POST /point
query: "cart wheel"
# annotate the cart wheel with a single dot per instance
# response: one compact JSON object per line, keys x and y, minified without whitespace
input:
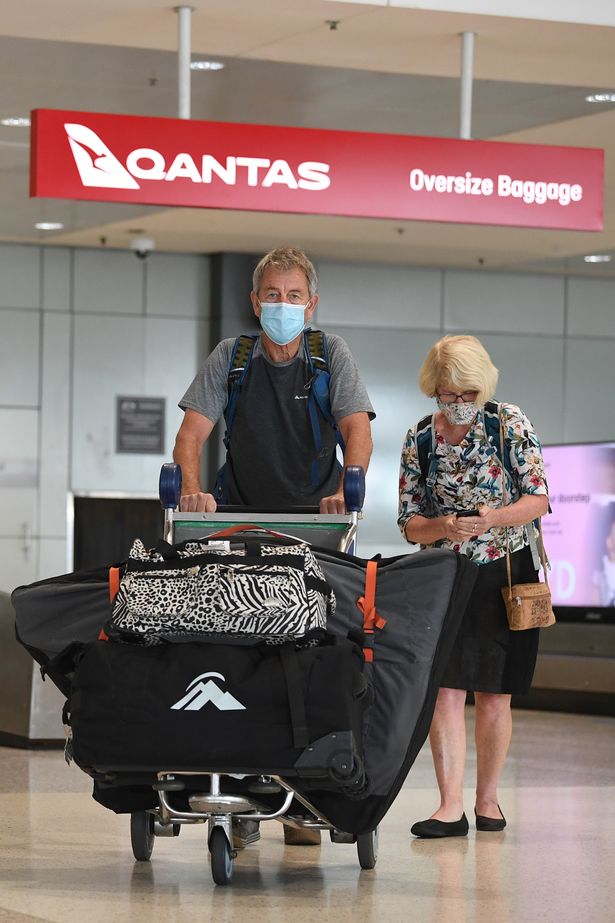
{"x":367,"y":849}
{"x":142,"y":835}
{"x":221,"y":858}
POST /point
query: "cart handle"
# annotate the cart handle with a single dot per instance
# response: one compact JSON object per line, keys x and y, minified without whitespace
{"x":170,"y":487}
{"x":354,"y":488}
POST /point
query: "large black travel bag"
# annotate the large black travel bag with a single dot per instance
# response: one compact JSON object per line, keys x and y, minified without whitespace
{"x":409,"y":609}
{"x":265,"y":709}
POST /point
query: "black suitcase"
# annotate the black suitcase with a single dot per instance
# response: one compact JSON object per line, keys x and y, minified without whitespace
{"x":282,"y":710}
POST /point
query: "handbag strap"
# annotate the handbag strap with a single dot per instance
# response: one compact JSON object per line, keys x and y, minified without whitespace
{"x":541,"y":545}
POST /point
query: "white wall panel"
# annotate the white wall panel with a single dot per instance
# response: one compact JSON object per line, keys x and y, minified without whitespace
{"x":591,"y":307}
{"x":16,"y":566}
{"x":378,"y":296}
{"x":20,"y":274}
{"x":52,"y":558}
{"x":531,"y":376}
{"x":390,"y":372}
{"x":108,"y":361}
{"x":55,"y":423}
{"x":177,"y":285}
{"x":18,"y":471}
{"x":19,"y":359}
{"x":503,"y":302}
{"x":174,"y":350}
{"x":108,"y":281}
{"x":590,"y":386}
{"x":154,"y":357}
{"x":56,"y":278}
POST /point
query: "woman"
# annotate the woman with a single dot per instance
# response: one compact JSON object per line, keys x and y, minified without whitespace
{"x":465,"y":476}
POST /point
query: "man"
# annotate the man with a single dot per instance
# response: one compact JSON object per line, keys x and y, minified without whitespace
{"x":272,"y":457}
{"x":281,"y":451}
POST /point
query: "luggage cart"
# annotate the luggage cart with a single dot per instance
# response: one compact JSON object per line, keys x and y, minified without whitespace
{"x":212,"y":805}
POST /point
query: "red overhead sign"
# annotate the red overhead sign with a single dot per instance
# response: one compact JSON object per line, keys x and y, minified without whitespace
{"x":179,"y":162}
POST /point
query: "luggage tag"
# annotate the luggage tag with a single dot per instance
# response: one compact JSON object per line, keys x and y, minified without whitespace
{"x":219,"y":546}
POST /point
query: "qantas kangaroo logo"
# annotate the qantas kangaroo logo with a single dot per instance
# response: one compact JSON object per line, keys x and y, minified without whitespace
{"x":96,"y":164}
{"x":199,"y":695}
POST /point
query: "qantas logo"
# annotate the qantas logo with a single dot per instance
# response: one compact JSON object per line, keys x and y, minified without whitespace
{"x":98,"y":166}
{"x":200,"y":694}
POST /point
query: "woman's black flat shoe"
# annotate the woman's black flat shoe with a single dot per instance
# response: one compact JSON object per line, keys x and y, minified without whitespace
{"x":491,"y":824}
{"x":431,"y":829}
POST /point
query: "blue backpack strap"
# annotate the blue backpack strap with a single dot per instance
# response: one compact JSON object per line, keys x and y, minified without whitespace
{"x":239,"y":364}
{"x":317,"y":359}
{"x":428,"y":462}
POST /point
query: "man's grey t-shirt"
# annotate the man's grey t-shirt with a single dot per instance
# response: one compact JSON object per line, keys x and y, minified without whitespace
{"x":271,"y":451}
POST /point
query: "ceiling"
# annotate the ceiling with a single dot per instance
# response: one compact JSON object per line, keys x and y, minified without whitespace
{"x":381,"y":69}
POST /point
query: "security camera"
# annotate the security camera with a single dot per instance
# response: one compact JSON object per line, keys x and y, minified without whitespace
{"x":142,"y":246}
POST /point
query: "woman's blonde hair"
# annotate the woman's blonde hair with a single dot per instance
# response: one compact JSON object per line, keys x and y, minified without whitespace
{"x":461,"y":362}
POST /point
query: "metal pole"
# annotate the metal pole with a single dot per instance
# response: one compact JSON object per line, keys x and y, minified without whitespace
{"x":183,"y":59}
{"x":467,"y":60}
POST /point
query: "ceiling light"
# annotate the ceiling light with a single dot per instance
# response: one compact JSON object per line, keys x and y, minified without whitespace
{"x":600,"y":98}
{"x":49,"y":226}
{"x":206,"y":65}
{"x":598,"y":258}
{"x":15,"y":122}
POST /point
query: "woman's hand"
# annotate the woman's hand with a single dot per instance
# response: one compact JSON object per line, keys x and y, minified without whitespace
{"x":455,"y":529}
{"x":472,"y":526}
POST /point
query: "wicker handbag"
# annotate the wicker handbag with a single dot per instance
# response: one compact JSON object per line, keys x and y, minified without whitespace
{"x":528,"y":605}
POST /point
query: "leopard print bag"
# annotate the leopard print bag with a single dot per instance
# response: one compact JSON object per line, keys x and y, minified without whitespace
{"x":259,"y":590}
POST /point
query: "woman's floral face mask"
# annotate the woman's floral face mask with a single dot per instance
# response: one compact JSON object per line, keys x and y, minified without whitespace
{"x":459,"y":414}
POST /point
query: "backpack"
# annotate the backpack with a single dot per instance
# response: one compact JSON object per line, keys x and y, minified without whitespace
{"x":425,"y":444}
{"x":317,"y":358}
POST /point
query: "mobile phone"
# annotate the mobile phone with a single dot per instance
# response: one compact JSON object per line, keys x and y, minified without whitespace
{"x":467,"y":513}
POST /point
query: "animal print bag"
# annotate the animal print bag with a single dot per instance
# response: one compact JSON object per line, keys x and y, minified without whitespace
{"x":256,"y":589}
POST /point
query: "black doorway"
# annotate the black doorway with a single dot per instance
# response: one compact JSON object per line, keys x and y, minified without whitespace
{"x":105,"y":528}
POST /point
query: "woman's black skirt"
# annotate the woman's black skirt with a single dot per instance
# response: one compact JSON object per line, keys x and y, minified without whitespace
{"x":487,"y":656}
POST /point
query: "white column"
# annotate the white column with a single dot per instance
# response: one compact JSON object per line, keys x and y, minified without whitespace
{"x":465,"y":108}
{"x":184,"y":14}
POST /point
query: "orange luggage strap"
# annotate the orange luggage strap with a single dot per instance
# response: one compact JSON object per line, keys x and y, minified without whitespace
{"x":114,"y":585}
{"x":372,"y":620}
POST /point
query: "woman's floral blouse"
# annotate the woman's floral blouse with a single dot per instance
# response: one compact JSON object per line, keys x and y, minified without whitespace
{"x":469,"y":475}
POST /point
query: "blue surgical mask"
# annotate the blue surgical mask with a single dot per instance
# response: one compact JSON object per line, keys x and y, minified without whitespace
{"x":282,"y":322}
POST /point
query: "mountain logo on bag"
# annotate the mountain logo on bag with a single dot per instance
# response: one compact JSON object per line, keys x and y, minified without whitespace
{"x":198,"y":696}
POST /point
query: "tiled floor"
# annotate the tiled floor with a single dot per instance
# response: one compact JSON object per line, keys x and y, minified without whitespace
{"x":63,"y":858}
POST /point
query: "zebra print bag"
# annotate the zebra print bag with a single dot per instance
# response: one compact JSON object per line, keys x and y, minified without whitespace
{"x":256,"y":590}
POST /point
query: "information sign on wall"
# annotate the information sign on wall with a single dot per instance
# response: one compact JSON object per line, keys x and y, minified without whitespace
{"x":140,"y":425}
{"x":180,"y":162}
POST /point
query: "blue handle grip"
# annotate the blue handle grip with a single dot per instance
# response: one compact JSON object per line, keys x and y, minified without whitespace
{"x":354,"y":488}
{"x":170,"y":486}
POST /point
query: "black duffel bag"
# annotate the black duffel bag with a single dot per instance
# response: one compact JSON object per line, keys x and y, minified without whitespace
{"x":284,"y":710}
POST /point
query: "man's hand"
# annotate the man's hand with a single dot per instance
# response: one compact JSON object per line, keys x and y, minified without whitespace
{"x":333,"y":504}
{"x":197,"y":503}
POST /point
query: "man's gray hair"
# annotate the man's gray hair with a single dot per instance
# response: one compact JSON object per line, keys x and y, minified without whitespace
{"x":285,"y":259}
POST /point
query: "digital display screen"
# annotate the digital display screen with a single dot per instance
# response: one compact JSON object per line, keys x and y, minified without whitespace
{"x":579,"y":534}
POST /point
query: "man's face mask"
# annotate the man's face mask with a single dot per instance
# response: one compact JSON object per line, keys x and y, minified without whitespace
{"x":282,"y":322}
